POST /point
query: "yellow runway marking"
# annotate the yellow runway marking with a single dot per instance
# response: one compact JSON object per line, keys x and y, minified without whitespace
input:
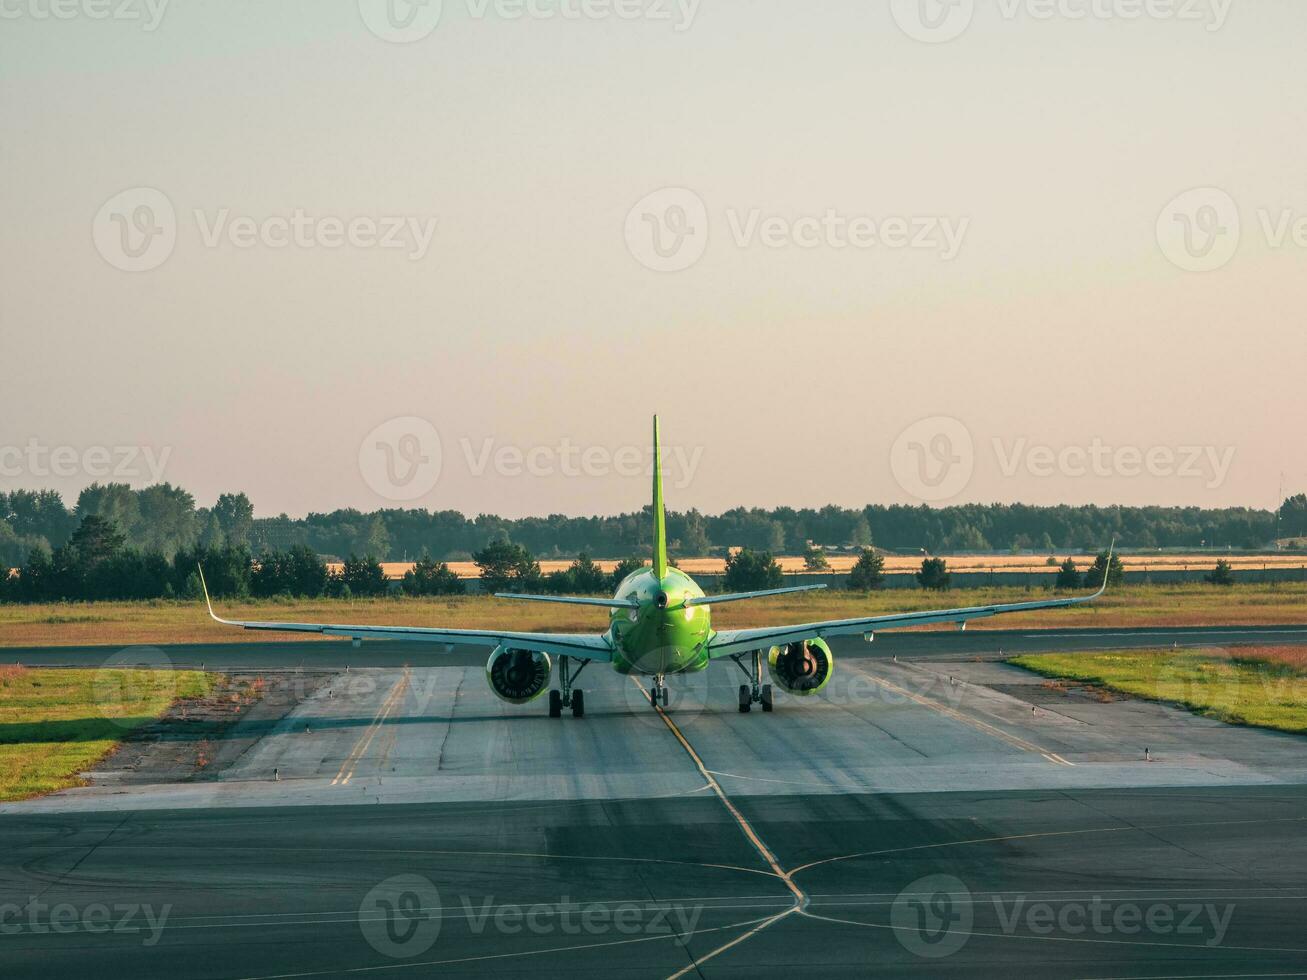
{"x":800,"y":899}
{"x":365,"y":740}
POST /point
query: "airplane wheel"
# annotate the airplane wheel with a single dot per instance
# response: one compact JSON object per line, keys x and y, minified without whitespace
{"x":654,"y":698}
{"x":578,"y":704}
{"x":766,"y":697}
{"x":745,"y":698}
{"x":665,"y":694}
{"x":555,"y":704}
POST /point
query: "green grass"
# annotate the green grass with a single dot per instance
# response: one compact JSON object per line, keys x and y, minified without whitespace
{"x":1265,"y":688}
{"x":55,"y":724}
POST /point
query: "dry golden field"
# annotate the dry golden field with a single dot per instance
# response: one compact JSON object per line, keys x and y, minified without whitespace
{"x":123,"y":623}
{"x":905,"y":563}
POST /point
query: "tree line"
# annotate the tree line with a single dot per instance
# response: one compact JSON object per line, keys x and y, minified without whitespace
{"x":97,"y":563}
{"x":165,"y":519}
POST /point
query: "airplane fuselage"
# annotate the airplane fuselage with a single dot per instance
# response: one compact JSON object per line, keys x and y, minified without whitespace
{"x":662,"y":635}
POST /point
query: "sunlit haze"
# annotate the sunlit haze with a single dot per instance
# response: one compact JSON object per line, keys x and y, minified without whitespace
{"x":1034,"y":304}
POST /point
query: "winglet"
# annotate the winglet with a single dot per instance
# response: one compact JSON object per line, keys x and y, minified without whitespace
{"x":207,"y":601}
{"x":1107,"y":570}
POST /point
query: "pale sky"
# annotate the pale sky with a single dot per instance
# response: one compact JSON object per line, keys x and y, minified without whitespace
{"x":1058,"y":346}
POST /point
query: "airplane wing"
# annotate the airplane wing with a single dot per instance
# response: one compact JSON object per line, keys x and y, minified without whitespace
{"x":573,"y":600}
{"x":711,"y":600}
{"x":731,"y":642}
{"x":585,"y":646}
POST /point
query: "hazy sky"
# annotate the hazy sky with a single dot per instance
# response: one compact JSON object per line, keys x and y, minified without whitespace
{"x":848,"y":256}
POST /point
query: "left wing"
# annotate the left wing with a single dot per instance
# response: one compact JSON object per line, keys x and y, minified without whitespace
{"x":730,"y":642}
{"x":585,"y":646}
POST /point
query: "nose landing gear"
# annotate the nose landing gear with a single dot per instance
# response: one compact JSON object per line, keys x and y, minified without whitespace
{"x":658,"y":693}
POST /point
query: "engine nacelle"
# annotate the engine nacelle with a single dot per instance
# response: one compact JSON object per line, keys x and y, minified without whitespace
{"x":518,"y":676}
{"x":801,"y":668}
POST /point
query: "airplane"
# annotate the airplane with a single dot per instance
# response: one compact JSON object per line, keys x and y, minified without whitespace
{"x":659,"y":625}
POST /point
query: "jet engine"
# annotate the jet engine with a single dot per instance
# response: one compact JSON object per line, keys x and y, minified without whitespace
{"x":801,"y":668}
{"x":518,"y":676}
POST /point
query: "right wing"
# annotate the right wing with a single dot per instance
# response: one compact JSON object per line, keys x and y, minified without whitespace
{"x":731,"y":642}
{"x":710,"y":600}
{"x":584,"y":646}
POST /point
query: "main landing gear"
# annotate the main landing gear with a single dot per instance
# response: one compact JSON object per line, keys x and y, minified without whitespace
{"x":755,"y":692}
{"x":567,"y":697}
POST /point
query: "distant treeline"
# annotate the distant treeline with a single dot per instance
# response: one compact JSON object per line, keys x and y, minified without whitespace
{"x":96,"y":563}
{"x":164,"y":519}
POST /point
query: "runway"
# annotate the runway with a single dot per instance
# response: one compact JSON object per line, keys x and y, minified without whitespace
{"x":930,"y":817}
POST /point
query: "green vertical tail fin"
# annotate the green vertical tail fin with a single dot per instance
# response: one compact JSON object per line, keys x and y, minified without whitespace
{"x":660,"y":524}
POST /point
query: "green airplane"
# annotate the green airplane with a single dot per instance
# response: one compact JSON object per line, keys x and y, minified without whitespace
{"x":660,"y":624}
